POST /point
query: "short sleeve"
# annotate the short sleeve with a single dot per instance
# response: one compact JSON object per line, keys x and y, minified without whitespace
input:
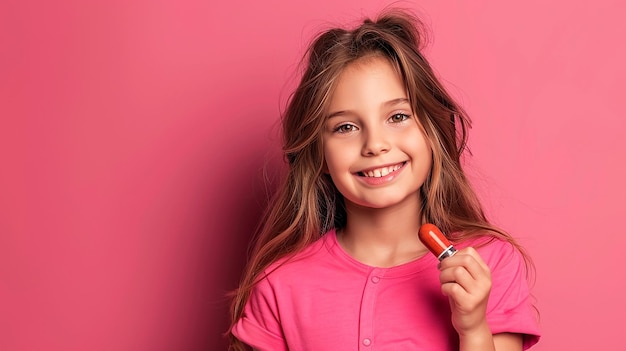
{"x":510,"y":308}
{"x":259,"y":326}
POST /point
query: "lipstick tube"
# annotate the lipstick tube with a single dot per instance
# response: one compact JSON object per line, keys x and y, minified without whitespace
{"x":435,"y":241}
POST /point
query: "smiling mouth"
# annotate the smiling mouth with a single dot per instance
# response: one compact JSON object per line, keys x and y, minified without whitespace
{"x":381,"y":172}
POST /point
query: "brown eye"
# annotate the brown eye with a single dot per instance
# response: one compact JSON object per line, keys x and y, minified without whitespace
{"x":345,"y":128}
{"x":398,"y":117}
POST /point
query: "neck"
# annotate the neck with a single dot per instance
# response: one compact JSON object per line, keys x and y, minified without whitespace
{"x":383,"y":237}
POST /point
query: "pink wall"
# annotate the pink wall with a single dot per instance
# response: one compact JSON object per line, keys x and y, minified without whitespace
{"x":132,"y":134}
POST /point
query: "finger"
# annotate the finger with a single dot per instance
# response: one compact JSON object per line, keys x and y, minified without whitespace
{"x":470,"y":260}
{"x":472,"y":252}
{"x":458,"y":275}
{"x":455,"y":292}
{"x":469,"y":274}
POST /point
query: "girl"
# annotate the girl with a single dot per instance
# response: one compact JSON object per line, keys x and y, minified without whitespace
{"x":373,"y":143}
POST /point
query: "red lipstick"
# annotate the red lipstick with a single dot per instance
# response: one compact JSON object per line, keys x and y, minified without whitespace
{"x":435,"y":241}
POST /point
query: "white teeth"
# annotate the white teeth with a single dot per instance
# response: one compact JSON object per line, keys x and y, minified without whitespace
{"x":383,"y":171}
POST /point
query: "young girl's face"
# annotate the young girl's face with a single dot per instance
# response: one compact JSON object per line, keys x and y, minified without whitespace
{"x":376,"y":151}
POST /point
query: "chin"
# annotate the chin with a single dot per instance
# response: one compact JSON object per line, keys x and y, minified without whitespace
{"x":381,"y":203}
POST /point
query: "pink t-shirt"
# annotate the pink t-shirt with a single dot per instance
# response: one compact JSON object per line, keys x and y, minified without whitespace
{"x":323,"y":299}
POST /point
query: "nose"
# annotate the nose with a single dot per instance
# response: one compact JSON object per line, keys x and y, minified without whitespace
{"x":375,"y":143}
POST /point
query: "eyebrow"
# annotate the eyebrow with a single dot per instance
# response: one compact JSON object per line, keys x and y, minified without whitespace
{"x":389,"y":103}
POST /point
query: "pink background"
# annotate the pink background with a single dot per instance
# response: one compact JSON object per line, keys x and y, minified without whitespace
{"x":133,"y":134}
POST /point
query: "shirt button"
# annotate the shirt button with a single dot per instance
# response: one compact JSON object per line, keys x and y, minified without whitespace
{"x":375,"y":279}
{"x":367,"y":342}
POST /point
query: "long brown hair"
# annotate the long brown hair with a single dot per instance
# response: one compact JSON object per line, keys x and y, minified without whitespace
{"x":308,"y":204}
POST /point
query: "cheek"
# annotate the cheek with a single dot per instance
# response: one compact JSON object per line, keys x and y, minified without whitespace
{"x":333,"y":165}
{"x":427,"y":152}
{"x":419,"y":144}
{"x":421,"y":153}
{"x":330,"y":162}
{"x":337,"y":154}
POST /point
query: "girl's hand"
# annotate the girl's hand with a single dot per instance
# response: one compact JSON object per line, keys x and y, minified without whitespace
{"x":466,"y":280}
